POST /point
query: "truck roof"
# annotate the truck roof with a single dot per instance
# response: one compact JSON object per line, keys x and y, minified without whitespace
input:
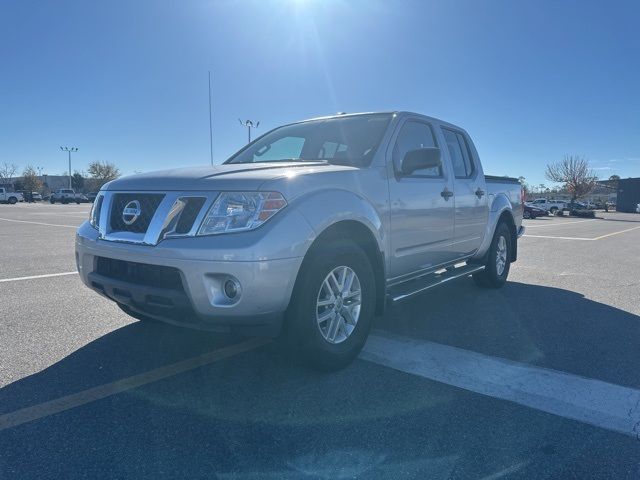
{"x":399,"y":113}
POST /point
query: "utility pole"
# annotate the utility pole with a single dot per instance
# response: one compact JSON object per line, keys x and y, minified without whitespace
{"x":210,"y":125}
{"x":69,"y":150}
{"x":249,"y":124}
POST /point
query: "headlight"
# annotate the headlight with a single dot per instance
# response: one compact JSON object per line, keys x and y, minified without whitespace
{"x":94,"y":215}
{"x":239,"y":211}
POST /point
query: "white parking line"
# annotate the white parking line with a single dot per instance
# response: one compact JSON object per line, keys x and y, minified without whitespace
{"x":559,"y":224}
{"x":33,"y":277}
{"x":616,"y":233}
{"x":38,"y":223}
{"x":586,"y":400}
{"x":559,"y":238}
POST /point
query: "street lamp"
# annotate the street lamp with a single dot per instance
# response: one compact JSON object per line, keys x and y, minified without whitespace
{"x":69,"y":149}
{"x":249,"y":124}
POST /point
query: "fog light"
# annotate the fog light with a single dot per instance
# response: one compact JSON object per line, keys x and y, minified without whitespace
{"x":231,"y":288}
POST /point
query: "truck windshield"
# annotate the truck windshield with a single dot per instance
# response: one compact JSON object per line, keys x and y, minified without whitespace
{"x":349,"y":140}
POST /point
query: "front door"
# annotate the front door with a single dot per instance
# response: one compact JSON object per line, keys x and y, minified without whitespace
{"x":421,"y":207}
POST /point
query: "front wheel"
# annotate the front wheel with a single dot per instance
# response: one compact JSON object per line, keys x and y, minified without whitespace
{"x":498,"y":262}
{"x":13,"y":200}
{"x":553,"y":210}
{"x":333,"y":306}
{"x":526,"y":214}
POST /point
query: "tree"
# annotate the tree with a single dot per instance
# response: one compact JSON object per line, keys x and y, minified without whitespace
{"x":30,"y":180}
{"x":7,"y":172}
{"x":77,"y":181}
{"x":574,"y":172}
{"x":614,"y":177}
{"x":102,"y":172}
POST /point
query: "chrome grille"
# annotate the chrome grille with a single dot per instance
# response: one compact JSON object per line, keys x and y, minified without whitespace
{"x":149,"y":203}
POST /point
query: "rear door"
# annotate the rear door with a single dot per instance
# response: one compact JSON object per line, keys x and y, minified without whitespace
{"x":470,"y":196}
{"x":421,"y":214}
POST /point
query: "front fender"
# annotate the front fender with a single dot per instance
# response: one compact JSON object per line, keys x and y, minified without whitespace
{"x":324,"y":208}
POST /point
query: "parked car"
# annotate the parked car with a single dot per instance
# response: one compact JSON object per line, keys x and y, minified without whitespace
{"x":314,"y":227}
{"x":91,"y":196}
{"x":638,"y":208}
{"x":37,"y":197}
{"x":65,"y":195}
{"x":10,"y":197}
{"x":551,"y":206}
{"x":533,"y":212}
{"x":576,"y":206}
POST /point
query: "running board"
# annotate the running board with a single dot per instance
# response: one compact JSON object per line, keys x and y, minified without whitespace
{"x":408,"y":289}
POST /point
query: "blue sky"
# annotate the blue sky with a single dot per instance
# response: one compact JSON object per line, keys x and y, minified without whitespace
{"x":126,"y":81}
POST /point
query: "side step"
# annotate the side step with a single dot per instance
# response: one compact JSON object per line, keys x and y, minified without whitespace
{"x":408,"y":289}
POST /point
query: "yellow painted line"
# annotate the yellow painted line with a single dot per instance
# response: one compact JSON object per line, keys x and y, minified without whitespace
{"x":33,"y":277}
{"x":90,"y":395}
{"x":616,"y":233}
{"x":39,"y":223}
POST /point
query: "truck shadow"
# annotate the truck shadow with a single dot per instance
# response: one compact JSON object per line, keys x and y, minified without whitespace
{"x":258,"y":415}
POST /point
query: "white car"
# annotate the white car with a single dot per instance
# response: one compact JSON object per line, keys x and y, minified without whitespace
{"x":551,"y":206}
{"x":10,"y":197}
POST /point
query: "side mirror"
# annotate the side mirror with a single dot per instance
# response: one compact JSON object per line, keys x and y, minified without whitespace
{"x":419,"y":159}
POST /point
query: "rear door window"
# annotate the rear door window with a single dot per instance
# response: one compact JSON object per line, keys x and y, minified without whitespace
{"x":459,"y":153}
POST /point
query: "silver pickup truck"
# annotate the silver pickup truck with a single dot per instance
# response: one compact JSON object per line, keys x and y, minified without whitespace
{"x":310,"y":230}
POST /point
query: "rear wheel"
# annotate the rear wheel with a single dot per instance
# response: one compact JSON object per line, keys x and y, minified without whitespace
{"x":498,"y":263}
{"x":333,"y":306}
{"x":553,"y":210}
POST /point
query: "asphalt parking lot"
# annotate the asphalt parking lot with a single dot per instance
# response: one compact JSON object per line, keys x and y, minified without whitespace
{"x":537,"y":380}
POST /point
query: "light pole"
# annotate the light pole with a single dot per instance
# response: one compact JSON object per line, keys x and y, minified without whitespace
{"x":210,"y":124}
{"x":249,"y":124}
{"x":69,"y":150}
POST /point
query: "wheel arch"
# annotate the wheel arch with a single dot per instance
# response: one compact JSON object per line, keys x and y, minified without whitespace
{"x":361,"y":235}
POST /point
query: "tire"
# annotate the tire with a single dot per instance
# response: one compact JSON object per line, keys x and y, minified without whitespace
{"x":492,"y":276}
{"x":553,"y":210}
{"x":526,"y":214}
{"x":52,"y":201}
{"x":334,"y":342}
{"x":13,"y":200}
{"x":78,"y":202}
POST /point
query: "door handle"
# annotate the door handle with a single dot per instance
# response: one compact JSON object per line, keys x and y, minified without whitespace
{"x":446,"y":193}
{"x":479,"y":192}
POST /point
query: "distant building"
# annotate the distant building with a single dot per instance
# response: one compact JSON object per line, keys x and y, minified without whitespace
{"x":628,"y":194}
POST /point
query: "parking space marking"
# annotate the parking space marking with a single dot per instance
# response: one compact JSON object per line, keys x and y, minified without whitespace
{"x":559,"y":238}
{"x":90,"y":395}
{"x":560,"y":223}
{"x":38,"y":223}
{"x":605,"y":405}
{"x":583,"y":238}
{"x":33,"y":277}
{"x":616,"y":233}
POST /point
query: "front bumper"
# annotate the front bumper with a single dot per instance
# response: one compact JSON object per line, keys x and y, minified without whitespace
{"x":265,"y":285}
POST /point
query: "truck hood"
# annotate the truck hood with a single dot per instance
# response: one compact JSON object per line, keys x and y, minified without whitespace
{"x":246,"y":176}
